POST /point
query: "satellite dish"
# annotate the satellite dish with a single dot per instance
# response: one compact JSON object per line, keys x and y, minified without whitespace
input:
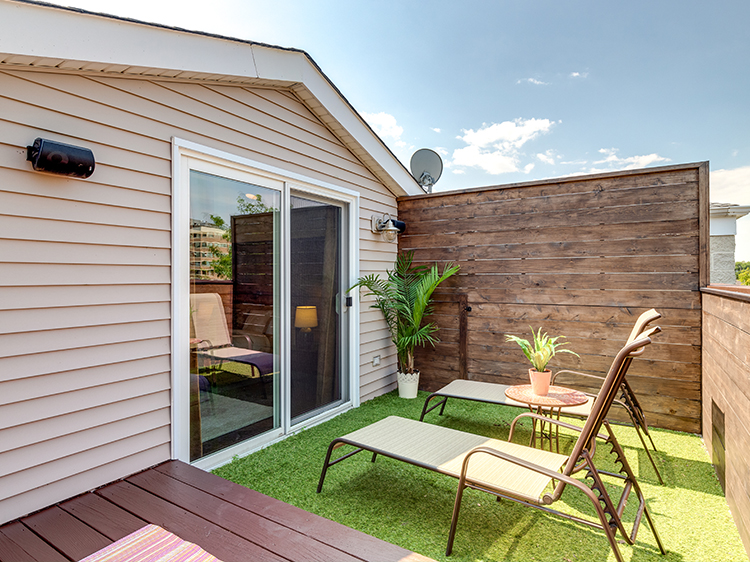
{"x":426,"y":167}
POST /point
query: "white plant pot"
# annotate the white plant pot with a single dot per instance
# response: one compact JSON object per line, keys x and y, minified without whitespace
{"x":408,"y":384}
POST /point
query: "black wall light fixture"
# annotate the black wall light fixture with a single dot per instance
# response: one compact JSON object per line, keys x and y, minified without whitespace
{"x":390,"y":228}
{"x":59,"y":158}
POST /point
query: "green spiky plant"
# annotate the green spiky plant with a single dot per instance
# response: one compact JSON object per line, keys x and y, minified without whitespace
{"x":404,"y":297}
{"x":543,"y":349}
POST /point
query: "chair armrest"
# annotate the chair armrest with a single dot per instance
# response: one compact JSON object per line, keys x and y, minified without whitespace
{"x":545,"y":419}
{"x":242,"y":340}
{"x":547,"y":499}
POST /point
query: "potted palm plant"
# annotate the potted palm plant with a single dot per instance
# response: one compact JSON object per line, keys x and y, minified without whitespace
{"x":539,"y":353}
{"x":404,"y":297}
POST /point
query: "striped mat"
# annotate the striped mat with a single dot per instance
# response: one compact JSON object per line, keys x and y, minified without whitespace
{"x":151,"y":544}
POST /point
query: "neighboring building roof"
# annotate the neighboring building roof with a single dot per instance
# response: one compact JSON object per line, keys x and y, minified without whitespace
{"x":42,"y":35}
{"x":729,"y":210}
{"x":724,"y":216}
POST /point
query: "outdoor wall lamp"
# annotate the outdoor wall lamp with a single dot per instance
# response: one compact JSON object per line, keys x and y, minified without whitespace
{"x":388,"y":227}
{"x":59,"y":158}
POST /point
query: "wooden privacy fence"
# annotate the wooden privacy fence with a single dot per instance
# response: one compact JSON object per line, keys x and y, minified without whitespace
{"x":580,"y":257}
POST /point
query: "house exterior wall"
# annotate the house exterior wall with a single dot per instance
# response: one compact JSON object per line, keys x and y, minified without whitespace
{"x":85,"y":276}
{"x":726,"y":396}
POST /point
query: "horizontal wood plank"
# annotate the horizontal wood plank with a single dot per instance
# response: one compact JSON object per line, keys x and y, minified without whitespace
{"x":344,"y":538}
{"x":104,"y":516}
{"x":209,"y":536}
{"x":579,"y":257}
{"x":71,"y":536}
{"x":35,"y":547}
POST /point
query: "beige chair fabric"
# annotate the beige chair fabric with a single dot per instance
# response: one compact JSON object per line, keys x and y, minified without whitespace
{"x":208,"y":321}
{"x":208,"y":325}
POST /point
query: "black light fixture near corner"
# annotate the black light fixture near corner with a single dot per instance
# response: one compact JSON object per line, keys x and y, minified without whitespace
{"x":390,"y":228}
{"x":59,"y":158}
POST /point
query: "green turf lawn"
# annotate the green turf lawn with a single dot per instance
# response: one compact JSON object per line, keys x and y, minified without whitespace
{"x":412,"y":507}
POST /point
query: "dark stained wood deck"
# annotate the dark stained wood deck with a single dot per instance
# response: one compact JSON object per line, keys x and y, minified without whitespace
{"x":230,"y":521}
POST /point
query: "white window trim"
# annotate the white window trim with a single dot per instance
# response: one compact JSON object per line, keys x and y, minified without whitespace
{"x":184,"y":153}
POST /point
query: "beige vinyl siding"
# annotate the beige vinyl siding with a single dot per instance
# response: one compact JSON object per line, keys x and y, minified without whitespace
{"x":85,"y":278}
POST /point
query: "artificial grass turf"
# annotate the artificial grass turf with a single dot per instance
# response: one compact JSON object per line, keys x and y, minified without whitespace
{"x":412,"y":507}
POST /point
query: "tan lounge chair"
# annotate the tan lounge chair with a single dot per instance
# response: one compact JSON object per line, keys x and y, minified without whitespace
{"x":494,"y":393}
{"x":213,"y":344}
{"x":515,"y":472}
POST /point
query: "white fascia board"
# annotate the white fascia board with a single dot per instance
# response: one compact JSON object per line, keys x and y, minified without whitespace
{"x":736,"y":211}
{"x":274,"y":64}
{"x":42,"y":31}
{"x":723,"y":226}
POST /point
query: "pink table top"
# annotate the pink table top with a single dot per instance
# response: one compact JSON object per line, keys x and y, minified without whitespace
{"x":558,"y":396}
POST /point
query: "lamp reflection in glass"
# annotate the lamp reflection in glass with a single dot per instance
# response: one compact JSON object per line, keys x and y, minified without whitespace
{"x":306,"y":318}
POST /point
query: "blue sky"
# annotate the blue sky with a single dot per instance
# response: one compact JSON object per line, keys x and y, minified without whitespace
{"x":523,"y":90}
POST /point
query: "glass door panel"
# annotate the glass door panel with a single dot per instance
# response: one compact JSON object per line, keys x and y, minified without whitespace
{"x":234,"y":304}
{"x":316,"y":277}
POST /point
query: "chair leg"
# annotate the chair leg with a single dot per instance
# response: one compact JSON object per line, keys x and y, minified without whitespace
{"x":454,"y":518}
{"x":426,"y":411}
{"x":630,"y":477}
{"x":326,"y":464}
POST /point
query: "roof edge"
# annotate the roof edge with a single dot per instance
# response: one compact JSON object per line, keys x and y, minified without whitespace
{"x":142,"y":48}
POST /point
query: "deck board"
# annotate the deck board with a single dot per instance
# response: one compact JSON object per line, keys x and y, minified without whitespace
{"x":71,"y":536}
{"x":230,"y":521}
{"x":9,"y":550}
{"x":365,"y":546}
{"x":260,"y":531}
{"x":31,"y":543}
{"x":211,"y":537}
{"x":109,"y":519}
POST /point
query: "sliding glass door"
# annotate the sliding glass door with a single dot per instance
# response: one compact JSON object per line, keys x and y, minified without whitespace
{"x":269,"y":326}
{"x":234,"y":296}
{"x":316,"y":292}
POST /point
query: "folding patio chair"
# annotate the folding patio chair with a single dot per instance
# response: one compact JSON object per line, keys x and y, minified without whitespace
{"x":213,"y":344}
{"x":494,"y":393}
{"x":515,"y":472}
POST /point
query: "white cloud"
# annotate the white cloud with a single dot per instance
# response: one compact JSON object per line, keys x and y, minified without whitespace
{"x":547,"y":157}
{"x":630,"y":163}
{"x":532,"y":81}
{"x":578,"y":74}
{"x":384,"y":125}
{"x":436,"y":129}
{"x":495,"y":148}
{"x":458,"y":172}
{"x":493,"y":162}
{"x":527,"y":168}
{"x":730,"y":186}
{"x":733,"y":186}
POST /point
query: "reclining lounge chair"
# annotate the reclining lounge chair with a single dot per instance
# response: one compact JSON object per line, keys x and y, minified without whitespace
{"x":494,"y":393}
{"x":515,"y":472}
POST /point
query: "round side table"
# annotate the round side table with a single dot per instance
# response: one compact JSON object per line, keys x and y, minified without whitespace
{"x":557,"y":398}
